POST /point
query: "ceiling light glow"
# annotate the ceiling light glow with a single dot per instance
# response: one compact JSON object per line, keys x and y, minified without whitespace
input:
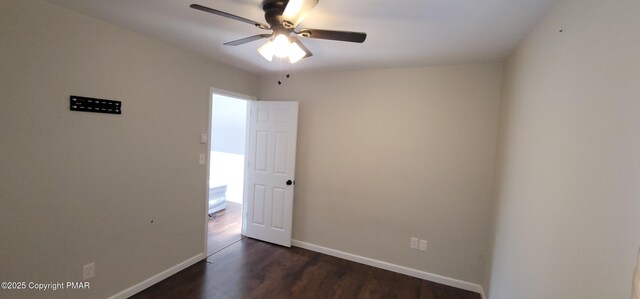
{"x":296,"y":53}
{"x":281,"y":46}
{"x":267,"y":51}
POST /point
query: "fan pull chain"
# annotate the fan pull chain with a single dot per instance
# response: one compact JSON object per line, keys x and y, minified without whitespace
{"x":281,"y":75}
{"x":280,"y":69}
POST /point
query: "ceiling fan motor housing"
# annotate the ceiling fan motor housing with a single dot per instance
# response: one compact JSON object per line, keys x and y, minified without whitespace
{"x":273,"y":10}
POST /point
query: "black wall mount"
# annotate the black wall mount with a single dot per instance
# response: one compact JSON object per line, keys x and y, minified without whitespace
{"x":77,"y":103}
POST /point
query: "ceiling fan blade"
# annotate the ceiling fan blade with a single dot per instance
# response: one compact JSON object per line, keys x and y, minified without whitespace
{"x":296,"y":11}
{"x":345,"y":36}
{"x":247,"y":39}
{"x":228,"y":15}
{"x":299,"y":43}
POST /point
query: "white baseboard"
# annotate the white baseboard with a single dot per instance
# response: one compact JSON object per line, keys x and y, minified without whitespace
{"x":392,"y":267}
{"x":158,"y":277}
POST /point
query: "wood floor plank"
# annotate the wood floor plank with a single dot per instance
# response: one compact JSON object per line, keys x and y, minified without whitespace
{"x":254,"y":269}
{"x":224,"y":228}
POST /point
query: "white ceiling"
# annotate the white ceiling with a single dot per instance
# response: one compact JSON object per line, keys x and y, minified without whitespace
{"x":401,"y":33}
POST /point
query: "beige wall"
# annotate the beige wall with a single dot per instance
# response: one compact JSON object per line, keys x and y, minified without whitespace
{"x":80,"y":187}
{"x":568,"y":211}
{"x":384,"y":155}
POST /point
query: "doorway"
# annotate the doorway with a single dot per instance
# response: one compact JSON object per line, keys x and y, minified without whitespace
{"x":226,"y":170}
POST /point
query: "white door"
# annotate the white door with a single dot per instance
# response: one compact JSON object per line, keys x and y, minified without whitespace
{"x":270,"y":171}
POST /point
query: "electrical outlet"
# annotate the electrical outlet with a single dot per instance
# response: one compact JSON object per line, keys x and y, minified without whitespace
{"x":414,"y":243}
{"x":423,"y":245}
{"x":88,"y":271}
{"x":204,"y":138}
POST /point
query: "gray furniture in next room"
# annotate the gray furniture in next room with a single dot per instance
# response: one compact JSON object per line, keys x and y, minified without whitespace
{"x":217,"y":199}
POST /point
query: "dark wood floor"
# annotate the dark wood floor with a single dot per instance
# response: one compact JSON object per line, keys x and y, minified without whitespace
{"x":254,"y":269}
{"x":224,"y":227}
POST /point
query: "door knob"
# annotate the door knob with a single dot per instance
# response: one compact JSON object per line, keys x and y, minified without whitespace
{"x":290,"y":182}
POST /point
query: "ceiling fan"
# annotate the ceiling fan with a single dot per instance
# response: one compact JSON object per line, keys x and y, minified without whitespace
{"x":283,"y":18}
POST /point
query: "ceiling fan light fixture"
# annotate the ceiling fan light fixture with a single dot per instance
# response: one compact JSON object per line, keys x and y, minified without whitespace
{"x":281,"y":46}
{"x":296,"y":53}
{"x":267,"y":51}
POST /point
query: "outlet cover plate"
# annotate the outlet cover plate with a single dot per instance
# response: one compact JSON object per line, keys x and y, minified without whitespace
{"x":88,"y":271}
{"x":423,"y":245}
{"x":414,"y":243}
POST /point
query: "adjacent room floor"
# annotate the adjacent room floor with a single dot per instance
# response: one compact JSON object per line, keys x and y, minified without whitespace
{"x":224,"y":228}
{"x":254,"y":269}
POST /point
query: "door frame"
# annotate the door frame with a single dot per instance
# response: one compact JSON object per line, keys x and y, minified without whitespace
{"x":240,"y":96}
